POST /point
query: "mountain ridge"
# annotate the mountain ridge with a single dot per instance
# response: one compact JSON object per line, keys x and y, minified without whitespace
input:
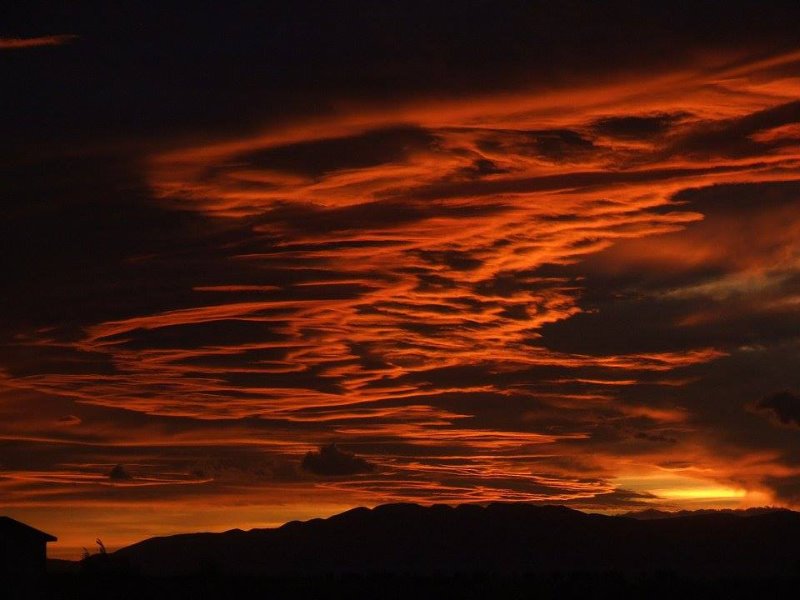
{"x":468,"y":538}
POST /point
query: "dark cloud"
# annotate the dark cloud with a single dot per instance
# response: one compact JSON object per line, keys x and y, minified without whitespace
{"x":558,"y":145}
{"x":119,"y":473}
{"x":562,"y":145}
{"x":460,"y":261}
{"x":735,"y":200}
{"x":388,"y":213}
{"x":787,"y":489}
{"x":637,"y":127}
{"x":736,"y":264}
{"x":560,"y":182}
{"x":318,"y":157}
{"x":658,"y":438}
{"x":482,"y":167}
{"x":781,"y":406}
{"x":332,"y":461}
{"x":736,"y":137}
{"x":222,"y":332}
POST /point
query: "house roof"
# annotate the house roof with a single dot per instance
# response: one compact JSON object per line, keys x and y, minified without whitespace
{"x":9,"y":526}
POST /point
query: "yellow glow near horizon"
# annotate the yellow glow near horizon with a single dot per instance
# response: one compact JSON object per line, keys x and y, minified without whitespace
{"x":701,"y":493}
{"x":687,"y":491}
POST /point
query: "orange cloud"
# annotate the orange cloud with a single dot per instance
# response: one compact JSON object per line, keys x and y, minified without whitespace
{"x":36,"y":42}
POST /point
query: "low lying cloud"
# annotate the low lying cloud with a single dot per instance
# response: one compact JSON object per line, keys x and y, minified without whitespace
{"x":330,"y":460}
{"x":17,"y":43}
{"x":119,"y":473}
{"x":784,"y":407}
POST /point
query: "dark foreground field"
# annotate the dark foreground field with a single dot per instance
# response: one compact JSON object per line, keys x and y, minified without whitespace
{"x":347,"y":587}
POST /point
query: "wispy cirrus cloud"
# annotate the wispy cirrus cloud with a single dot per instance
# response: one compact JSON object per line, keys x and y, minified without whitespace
{"x":19,"y":43}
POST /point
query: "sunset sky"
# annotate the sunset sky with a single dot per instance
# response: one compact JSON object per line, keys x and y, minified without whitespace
{"x":270,"y":264}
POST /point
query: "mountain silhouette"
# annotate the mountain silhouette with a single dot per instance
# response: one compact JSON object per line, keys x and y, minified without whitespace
{"x":500,"y":538}
{"x":653,"y":513}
